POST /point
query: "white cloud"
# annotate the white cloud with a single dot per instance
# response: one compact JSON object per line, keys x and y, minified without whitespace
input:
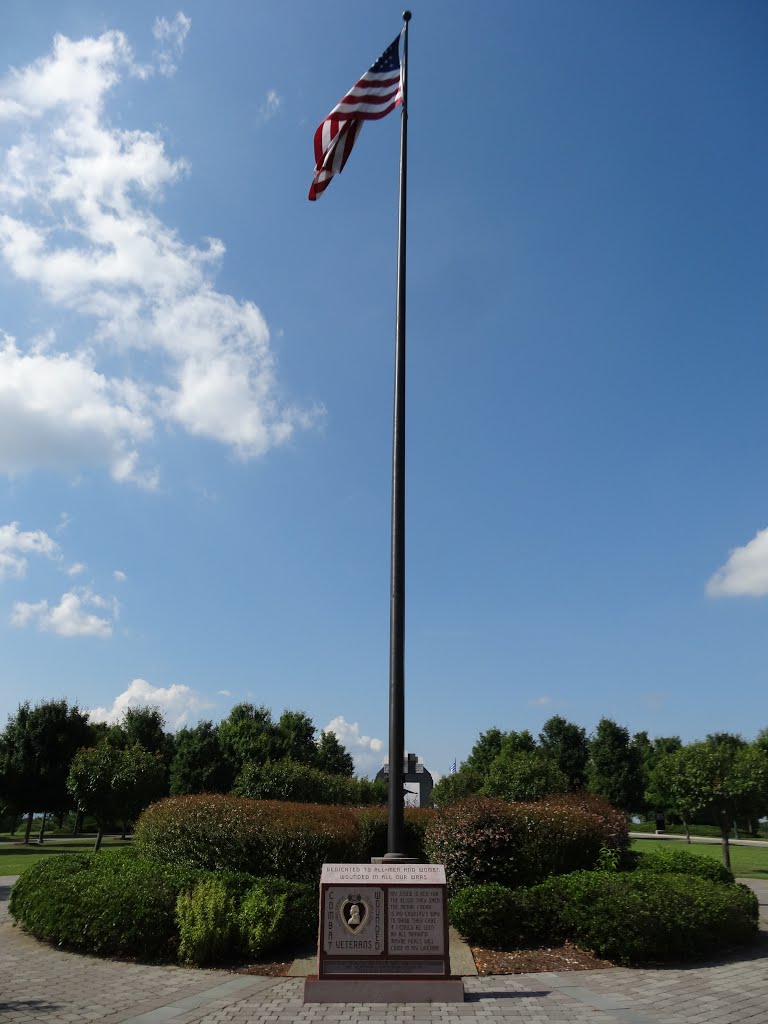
{"x":68,"y":618}
{"x":540,"y":701}
{"x":76,"y":225}
{"x":271,"y":106}
{"x":180,"y":704}
{"x":223,"y":693}
{"x":171,"y":35}
{"x":119,"y":576}
{"x":58,"y":411}
{"x":76,"y":569}
{"x":16,"y":545}
{"x":745,"y":572}
{"x":365,"y":750}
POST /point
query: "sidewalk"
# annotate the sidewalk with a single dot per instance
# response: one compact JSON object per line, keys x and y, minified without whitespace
{"x":46,"y":985}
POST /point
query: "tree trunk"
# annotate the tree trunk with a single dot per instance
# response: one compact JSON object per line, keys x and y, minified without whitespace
{"x":42,"y":829}
{"x":726,"y":846}
{"x":99,"y":837}
{"x":29,"y":827}
{"x":687,"y":830}
{"x":78,"y":822}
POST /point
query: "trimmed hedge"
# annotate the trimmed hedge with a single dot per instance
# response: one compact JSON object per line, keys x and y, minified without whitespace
{"x":640,"y":916}
{"x":486,"y":840}
{"x":119,"y":904}
{"x":684,"y":863}
{"x":269,"y":837}
{"x":292,"y":780}
{"x":262,"y":837}
{"x":626,"y":918}
{"x":498,"y":917}
{"x":110,"y":903}
{"x":277,"y":913}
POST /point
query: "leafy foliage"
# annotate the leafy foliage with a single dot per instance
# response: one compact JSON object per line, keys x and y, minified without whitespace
{"x":626,"y":917}
{"x":526,"y":775}
{"x":682,"y":862}
{"x":199,"y":764}
{"x":111,"y":903}
{"x":115,"y":784}
{"x":725,"y":779}
{"x":615,"y":767}
{"x":487,"y":840}
{"x":464,"y":783}
{"x":36,"y":748}
{"x":496,"y":916}
{"x":208,"y":929}
{"x":262,"y":837}
{"x":292,"y":780}
{"x":278,"y":913}
{"x":640,"y":916}
{"x":566,"y":744}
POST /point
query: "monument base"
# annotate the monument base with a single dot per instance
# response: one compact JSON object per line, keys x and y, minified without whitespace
{"x":383,"y":990}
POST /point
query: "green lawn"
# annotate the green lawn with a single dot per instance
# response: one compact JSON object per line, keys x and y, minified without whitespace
{"x":746,"y":861}
{"x":711,"y":831}
{"x":15,"y":857}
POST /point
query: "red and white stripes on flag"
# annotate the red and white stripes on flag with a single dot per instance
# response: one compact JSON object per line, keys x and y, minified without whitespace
{"x":373,"y":96}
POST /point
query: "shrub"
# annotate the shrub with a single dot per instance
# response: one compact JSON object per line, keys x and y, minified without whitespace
{"x":641,"y":916}
{"x":683,"y":862}
{"x":111,"y":903}
{"x":486,"y":840}
{"x":275,"y":913}
{"x":262,"y":837}
{"x":292,"y":780}
{"x":496,"y":916}
{"x":372,"y":832}
{"x":207,"y":923}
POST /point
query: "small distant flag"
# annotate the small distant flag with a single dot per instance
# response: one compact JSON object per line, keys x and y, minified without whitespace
{"x":453,"y":768}
{"x":373,"y":96}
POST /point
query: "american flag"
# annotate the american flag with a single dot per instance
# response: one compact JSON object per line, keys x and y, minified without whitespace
{"x":378,"y":91}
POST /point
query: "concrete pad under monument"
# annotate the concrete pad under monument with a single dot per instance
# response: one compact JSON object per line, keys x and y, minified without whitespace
{"x":383,"y":936}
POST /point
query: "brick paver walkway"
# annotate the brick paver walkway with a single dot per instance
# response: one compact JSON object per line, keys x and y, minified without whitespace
{"x":46,"y":985}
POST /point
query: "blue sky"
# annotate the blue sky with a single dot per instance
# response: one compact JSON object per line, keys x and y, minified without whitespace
{"x":196,"y":366}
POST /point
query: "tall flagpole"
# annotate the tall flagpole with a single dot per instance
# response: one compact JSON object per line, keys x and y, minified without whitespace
{"x":395,"y":823}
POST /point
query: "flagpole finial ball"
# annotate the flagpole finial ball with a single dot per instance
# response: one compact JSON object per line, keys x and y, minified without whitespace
{"x":406,"y":15}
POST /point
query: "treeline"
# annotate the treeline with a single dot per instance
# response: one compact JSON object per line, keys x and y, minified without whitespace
{"x":721,"y":781}
{"x":54,"y":760}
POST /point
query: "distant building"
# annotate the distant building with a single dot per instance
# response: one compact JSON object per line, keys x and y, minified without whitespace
{"x":413,"y":772}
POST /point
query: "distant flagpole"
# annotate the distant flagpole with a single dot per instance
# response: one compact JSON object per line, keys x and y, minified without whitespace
{"x":396,"y":815}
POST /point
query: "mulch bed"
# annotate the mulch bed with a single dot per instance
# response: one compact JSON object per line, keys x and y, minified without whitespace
{"x":533,"y":961}
{"x":488,"y":961}
{"x":268,"y":968}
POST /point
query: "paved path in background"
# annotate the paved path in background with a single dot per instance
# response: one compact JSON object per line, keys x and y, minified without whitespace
{"x":41,"y":984}
{"x":709,"y":840}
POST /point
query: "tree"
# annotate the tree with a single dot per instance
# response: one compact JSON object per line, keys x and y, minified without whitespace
{"x":115,"y":785}
{"x":517,"y":743}
{"x":296,"y":737}
{"x":331,"y":756}
{"x":485,"y":750}
{"x":649,"y":751}
{"x":463,"y":783}
{"x":730,"y":740}
{"x":524,"y":775}
{"x":614,"y":769}
{"x":723,"y":780}
{"x":249,"y":734}
{"x":36,"y":749}
{"x":566,"y":744}
{"x":199,"y":764}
